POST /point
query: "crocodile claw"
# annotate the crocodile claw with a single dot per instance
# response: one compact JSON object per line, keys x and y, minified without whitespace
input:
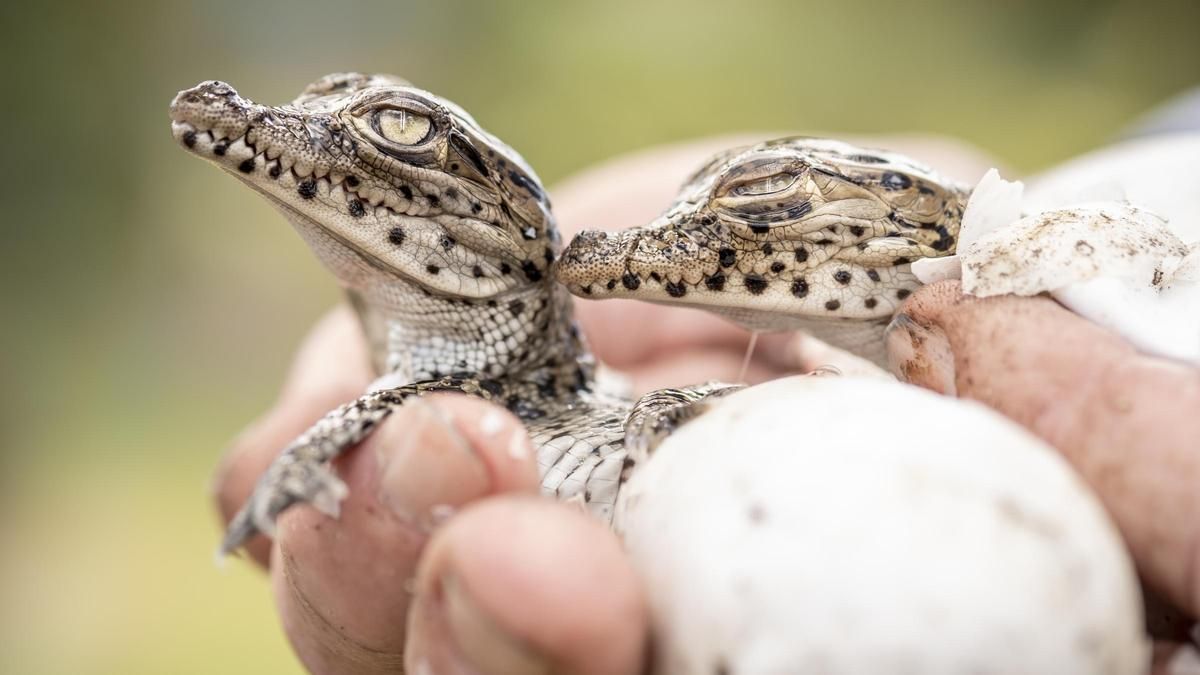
{"x":300,"y":480}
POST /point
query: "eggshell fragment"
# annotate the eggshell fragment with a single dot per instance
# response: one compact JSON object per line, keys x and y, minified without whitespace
{"x":1056,"y":248}
{"x":1115,"y":263}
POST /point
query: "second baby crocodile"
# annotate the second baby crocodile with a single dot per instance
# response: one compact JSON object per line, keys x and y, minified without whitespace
{"x":796,"y":233}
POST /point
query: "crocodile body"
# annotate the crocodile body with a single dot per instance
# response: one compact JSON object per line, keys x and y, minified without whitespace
{"x":795,"y":233}
{"x":443,"y":239}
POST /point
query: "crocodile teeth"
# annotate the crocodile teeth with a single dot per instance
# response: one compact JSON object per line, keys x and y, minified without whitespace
{"x":302,"y":167}
{"x":238,"y":150}
{"x":323,"y":188}
{"x":693,"y":276}
{"x":392,"y":201}
{"x":376,"y":196}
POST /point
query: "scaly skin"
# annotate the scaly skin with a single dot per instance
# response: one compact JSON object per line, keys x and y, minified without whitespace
{"x":796,"y":233}
{"x":443,"y":239}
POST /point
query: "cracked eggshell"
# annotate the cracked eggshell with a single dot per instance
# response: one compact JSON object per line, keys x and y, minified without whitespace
{"x":845,"y":526}
{"x":1056,"y":248}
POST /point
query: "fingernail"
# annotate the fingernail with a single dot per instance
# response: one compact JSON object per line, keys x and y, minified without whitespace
{"x":481,"y":644}
{"x":920,"y":355}
{"x":426,"y":467}
{"x":493,"y":422}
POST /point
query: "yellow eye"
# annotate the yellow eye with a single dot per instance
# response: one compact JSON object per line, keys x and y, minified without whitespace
{"x":403,"y":127}
{"x":765,"y":186}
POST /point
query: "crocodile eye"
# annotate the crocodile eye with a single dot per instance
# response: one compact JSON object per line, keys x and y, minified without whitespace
{"x":765,"y":186}
{"x":403,"y":127}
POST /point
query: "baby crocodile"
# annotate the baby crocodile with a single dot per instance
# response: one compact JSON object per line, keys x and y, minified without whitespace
{"x":794,"y":233}
{"x":443,"y":239}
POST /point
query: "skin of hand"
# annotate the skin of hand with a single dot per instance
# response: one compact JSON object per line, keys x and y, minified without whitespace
{"x":1126,"y":421}
{"x":443,"y":558}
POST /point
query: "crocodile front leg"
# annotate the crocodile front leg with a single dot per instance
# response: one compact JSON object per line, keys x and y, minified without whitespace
{"x":585,"y":452}
{"x":301,"y":473}
{"x":581,"y":453}
{"x":588,"y":450}
{"x":659,"y":413}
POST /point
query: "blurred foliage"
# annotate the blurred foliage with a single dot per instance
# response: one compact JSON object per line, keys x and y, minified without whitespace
{"x":151,"y":305}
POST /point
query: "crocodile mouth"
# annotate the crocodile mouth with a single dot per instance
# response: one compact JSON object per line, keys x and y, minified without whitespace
{"x":254,"y":141}
{"x":241,"y":157}
{"x":215,"y":123}
{"x":246,"y":158}
{"x":668,"y":266}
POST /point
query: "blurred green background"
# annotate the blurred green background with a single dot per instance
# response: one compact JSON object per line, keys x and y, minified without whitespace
{"x":151,"y":305}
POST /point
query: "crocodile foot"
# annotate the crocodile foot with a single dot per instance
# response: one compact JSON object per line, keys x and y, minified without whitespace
{"x":293,"y":478}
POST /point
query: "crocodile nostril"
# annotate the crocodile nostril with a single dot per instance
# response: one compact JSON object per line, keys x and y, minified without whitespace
{"x":593,"y":237}
{"x":210,"y":93}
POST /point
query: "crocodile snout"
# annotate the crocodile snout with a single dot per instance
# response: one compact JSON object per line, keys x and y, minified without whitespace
{"x":595,"y":254}
{"x":212,"y":96}
{"x":211,"y":106}
{"x":588,"y":243}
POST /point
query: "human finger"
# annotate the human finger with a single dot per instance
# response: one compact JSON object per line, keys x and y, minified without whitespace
{"x":524,"y":585}
{"x":343,"y":586}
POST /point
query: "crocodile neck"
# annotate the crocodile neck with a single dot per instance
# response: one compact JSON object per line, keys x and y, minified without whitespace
{"x":418,"y":336}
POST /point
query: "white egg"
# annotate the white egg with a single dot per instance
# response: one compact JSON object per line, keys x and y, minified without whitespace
{"x":849,"y":526}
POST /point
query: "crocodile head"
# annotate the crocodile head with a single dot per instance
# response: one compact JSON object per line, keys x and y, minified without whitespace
{"x":413,"y":206}
{"x":376,"y":173}
{"x":778,"y":234}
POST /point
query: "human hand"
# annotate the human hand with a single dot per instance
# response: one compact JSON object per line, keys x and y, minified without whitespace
{"x":1127,"y":422}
